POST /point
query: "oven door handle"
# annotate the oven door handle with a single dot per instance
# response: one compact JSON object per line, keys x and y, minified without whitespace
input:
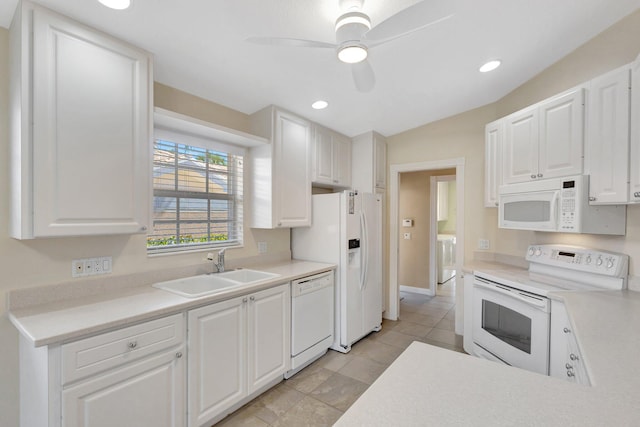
{"x":541,"y":302}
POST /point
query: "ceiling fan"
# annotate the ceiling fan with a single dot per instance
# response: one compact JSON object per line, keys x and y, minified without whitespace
{"x":354,"y":35}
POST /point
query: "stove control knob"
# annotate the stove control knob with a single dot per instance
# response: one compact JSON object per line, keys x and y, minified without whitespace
{"x":538,"y":252}
{"x":599,"y":261}
{"x":609,"y":263}
{"x":588,"y":259}
{"x":530,"y":251}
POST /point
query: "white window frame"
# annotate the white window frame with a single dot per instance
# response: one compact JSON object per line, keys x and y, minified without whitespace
{"x":183,"y":138}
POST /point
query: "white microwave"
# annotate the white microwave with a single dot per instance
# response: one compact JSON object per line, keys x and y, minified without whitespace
{"x":557,"y":205}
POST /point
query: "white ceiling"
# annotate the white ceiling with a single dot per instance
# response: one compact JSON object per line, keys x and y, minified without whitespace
{"x":199,"y":47}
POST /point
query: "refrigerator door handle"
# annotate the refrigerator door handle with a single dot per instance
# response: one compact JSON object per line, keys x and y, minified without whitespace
{"x":364,"y":252}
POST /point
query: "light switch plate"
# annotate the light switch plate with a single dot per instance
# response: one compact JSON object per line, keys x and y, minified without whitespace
{"x":91,"y":266}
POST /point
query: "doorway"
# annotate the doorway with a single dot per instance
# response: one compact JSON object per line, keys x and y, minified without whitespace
{"x":456,"y":164}
{"x":443,"y":227}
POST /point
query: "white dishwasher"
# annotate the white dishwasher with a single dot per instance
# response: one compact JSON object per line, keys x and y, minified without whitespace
{"x":312,"y":301}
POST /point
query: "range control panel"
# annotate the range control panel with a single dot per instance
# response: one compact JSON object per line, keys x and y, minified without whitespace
{"x":580,"y":259}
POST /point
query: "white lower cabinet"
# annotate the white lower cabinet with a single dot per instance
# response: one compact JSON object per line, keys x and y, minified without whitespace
{"x":565,"y":359}
{"x":130,"y":377}
{"x":237,"y":348}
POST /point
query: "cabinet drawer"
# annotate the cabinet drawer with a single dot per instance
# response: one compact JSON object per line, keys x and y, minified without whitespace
{"x":95,"y":354}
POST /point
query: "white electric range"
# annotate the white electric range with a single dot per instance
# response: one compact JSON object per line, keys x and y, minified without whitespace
{"x":511,"y":311}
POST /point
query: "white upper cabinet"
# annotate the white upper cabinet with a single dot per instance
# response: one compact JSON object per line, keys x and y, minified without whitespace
{"x":331,"y":158}
{"x":81,"y":126}
{"x":634,"y":158}
{"x":494,"y":133}
{"x":281,"y":170}
{"x":607,"y":137}
{"x":369,"y":162}
{"x":545,"y":140}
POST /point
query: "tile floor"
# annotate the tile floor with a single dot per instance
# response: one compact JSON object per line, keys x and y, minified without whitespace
{"x":320,"y":393}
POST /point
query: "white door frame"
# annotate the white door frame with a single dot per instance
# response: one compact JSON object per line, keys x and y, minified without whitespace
{"x":433,"y":230}
{"x":394,"y":181}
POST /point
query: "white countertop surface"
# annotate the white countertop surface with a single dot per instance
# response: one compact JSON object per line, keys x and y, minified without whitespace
{"x":75,"y":318}
{"x":428,"y":385}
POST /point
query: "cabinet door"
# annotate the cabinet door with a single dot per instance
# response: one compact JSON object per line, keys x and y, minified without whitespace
{"x":292,"y":191}
{"x":565,"y":360}
{"x":634,"y":158}
{"x":217,"y":359}
{"x":520,"y":148}
{"x":341,"y":161}
{"x":91,"y":131}
{"x":323,"y":156}
{"x":492,"y":167}
{"x":147,"y":393}
{"x":607,"y":138}
{"x":269,"y":345}
{"x":380,"y":158}
{"x":561,"y":135}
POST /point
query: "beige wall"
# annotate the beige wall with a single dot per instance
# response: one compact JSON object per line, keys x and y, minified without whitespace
{"x":48,"y":261}
{"x":463,"y":136}
{"x":414,"y":203}
{"x":448,"y":226}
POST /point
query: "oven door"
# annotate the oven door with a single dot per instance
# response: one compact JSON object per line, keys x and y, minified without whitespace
{"x":512,"y":325}
{"x":537,"y":210}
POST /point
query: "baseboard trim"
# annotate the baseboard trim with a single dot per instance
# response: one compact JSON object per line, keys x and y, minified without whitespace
{"x":415,"y":290}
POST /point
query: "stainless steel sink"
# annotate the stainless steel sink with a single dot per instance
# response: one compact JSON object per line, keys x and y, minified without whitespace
{"x":207,"y":284}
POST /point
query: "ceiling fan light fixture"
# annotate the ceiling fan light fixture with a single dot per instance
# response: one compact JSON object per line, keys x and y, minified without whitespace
{"x":352,"y":53}
{"x":490,"y":66}
{"x":353,"y":18}
{"x":116,"y":4}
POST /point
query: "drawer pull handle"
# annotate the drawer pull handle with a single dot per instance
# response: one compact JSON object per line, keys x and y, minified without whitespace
{"x":178,"y":355}
{"x":132,"y":344}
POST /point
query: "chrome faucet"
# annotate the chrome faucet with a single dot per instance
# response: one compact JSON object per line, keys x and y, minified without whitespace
{"x":220,"y":264}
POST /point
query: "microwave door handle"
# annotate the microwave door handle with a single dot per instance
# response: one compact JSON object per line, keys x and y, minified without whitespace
{"x":554,"y":209}
{"x":539,"y":303}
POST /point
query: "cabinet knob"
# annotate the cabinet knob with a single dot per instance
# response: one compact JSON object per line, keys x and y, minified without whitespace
{"x":132,"y":344}
{"x":252,"y":298}
{"x":570,"y":374}
{"x":178,"y":355}
{"x":497,"y":204}
{"x":592,"y":199}
{"x":636,"y":194}
{"x":539,"y":175}
{"x":573,"y":357}
{"x":566,"y":330}
{"x":244,"y":299}
{"x":533,"y":177}
{"x":143,"y":228}
{"x":568,"y":366}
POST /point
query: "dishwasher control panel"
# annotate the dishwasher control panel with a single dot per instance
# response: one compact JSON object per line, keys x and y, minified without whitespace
{"x":311,"y":283}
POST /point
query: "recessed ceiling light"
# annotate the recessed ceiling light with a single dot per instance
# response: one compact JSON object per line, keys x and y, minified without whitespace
{"x":116,"y":4}
{"x":320,"y":105}
{"x":490,"y":66}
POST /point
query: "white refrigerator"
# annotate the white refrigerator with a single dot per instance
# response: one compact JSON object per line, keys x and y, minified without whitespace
{"x":346,"y":231}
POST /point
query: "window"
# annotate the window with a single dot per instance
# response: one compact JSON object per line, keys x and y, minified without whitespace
{"x":197,"y":193}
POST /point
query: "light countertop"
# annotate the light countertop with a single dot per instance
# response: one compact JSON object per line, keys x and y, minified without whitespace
{"x":428,"y":385}
{"x":64,"y":321}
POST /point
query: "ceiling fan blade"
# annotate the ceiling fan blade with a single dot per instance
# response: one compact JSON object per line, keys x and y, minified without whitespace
{"x":280,"y":41}
{"x":413,"y":18}
{"x":363,"y":76}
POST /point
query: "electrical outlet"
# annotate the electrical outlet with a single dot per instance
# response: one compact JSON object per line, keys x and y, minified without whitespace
{"x":407,"y":236}
{"x":262,"y":247}
{"x":483,"y":244}
{"x":91,"y":266}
